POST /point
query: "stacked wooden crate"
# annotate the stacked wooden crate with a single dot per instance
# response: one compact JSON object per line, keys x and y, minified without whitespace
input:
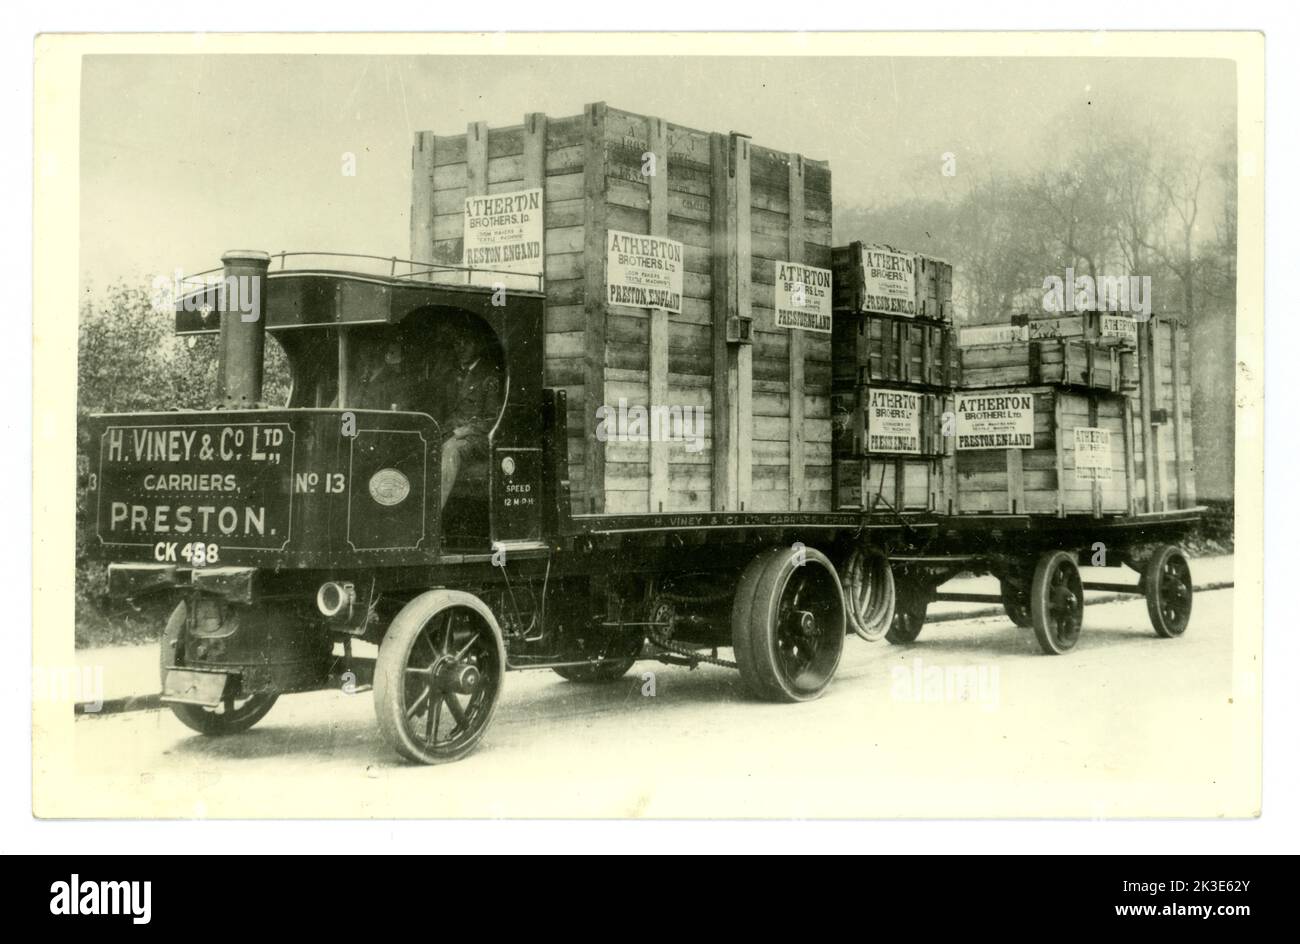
{"x":1057,"y":414}
{"x":894,"y":365}
{"x":728,"y":229}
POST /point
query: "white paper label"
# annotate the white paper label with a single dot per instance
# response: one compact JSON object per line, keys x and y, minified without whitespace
{"x":1092,"y":453}
{"x":1123,"y":327}
{"x":976,"y":335}
{"x":503,"y":232}
{"x":803,"y":297}
{"x":644,"y":271}
{"x":995,"y":421}
{"x":893,"y":421}
{"x":889,"y":281}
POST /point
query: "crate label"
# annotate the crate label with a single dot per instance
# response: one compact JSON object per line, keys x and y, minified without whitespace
{"x":893,"y":421}
{"x":1047,"y":329}
{"x":977,"y":335}
{"x":1120,"y":327}
{"x":803,"y":297}
{"x":644,"y":271}
{"x":888,"y":281}
{"x":503,"y":232}
{"x":995,"y":421}
{"x":1092,"y":453}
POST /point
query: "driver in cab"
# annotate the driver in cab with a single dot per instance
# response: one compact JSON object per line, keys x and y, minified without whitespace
{"x":470,"y":391}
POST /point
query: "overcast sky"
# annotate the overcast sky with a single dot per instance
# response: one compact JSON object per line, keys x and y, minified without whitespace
{"x":186,"y":156}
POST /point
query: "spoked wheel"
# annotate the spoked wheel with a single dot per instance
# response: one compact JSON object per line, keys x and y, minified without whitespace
{"x":909,"y":613}
{"x":1056,"y":603}
{"x":1168,"y":582}
{"x":438,"y":676}
{"x":1015,"y":600}
{"x":235,"y":714}
{"x":869,"y":590}
{"x":788,"y":624}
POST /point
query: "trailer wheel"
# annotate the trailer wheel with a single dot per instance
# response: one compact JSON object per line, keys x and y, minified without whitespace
{"x":1056,"y":603}
{"x":1168,"y":583}
{"x":438,"y":676}
{"x":909,"y":614}
{"x":869,"y":590}
{"x":1015,"y":600}
{"x":788,"y":624}
{"x":232,"y":717}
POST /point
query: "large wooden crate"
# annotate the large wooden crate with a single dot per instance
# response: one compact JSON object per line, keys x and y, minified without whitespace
{"x":884,"y":280}
{"x":869,"y":348}
{"x":1067,"y":452}
{"x":738,"y":211}
{"x":1068,"y":362}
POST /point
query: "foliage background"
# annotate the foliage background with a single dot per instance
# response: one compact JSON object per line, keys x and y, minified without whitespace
{"x":129,"y":360}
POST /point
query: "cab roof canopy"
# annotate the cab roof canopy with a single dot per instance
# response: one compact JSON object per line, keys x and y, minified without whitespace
{"x":303,"y":296}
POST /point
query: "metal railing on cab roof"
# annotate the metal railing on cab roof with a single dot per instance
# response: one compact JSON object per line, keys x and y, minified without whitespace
{"x":413,"y":269}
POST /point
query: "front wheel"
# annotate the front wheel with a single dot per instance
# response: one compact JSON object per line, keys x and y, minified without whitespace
{"x":1015,"y":600}
{"x":788,"y":624}
{"x":1056,"y":603}
{"x":232,"y":716}
{"x":438,"y":676}
{"x":909,"y":613}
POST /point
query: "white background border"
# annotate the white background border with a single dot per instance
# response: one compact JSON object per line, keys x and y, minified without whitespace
{"x":1275,"y":831}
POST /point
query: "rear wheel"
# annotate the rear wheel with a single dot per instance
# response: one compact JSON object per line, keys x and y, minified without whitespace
{"x":438,"y":676}
{"x":788,"y":624}
{"x":233,"y":715}
{"x":1056,"y":603}
{"x":870,"y":593}
{"x":1167,"y":580}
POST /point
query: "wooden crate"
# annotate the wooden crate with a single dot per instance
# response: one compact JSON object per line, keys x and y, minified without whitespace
{"x":1051,"y":361}
{"x":885,"y":484}
{"x":869,"y":348}
{"x":888,"y":281}
{"x":1078,"y":457}
{"x":1104,"y":328}
{"x":1163,"y":405}
{"x":915,"y":429}
{"x":737,"y":210}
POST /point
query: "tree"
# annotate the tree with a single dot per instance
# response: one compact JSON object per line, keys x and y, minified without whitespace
{"x":128,"y":360}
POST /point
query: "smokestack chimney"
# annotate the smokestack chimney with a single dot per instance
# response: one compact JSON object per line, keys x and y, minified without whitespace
{"x":243,"y":328}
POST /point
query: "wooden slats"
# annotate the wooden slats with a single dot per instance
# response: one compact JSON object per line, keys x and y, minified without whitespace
{"x":723,"y":478}
{"x":735,"y":209}
{"x":795,"y":253}
{"x":594,"y":305}
{"x":658,"y":353}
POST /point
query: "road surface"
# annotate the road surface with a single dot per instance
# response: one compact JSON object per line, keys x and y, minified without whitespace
{"x":969,"y":720}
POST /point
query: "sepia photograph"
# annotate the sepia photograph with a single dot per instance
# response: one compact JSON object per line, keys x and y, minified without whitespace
{"x":614,"y":427}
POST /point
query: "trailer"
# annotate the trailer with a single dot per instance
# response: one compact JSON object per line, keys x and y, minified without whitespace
{"x":1036,"y":559}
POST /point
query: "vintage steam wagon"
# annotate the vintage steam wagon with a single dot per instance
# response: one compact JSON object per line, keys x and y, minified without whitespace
{"x":589,"y":421}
